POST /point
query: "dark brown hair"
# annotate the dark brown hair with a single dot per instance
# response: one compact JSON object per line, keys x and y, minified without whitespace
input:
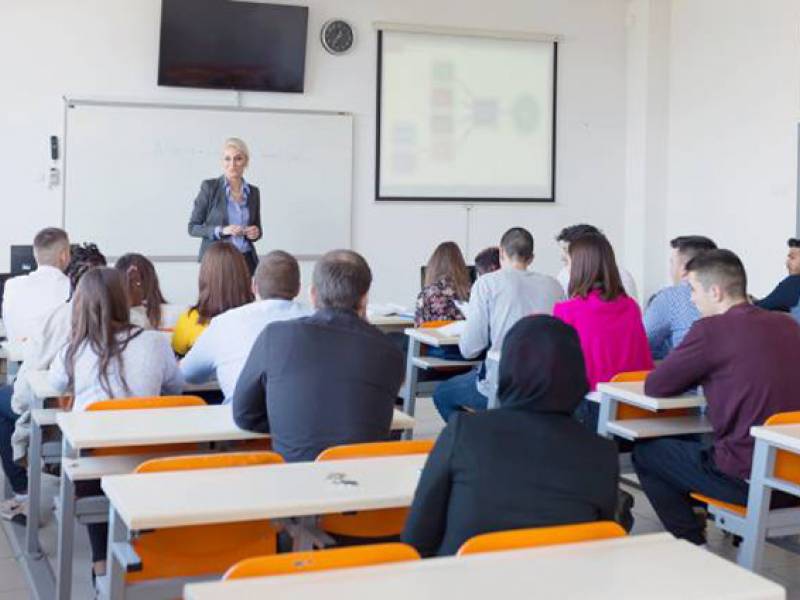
{"x":447,"y":263}
{"x":142,"y":285}
{"x":100,"y":312}
{"x":82,"y":258}
{"x":277,"y":276}
{"x":594,"y":267}
{"x":722,"y":268}
{"x":517,"y":243}
{"x":487,"y":260}
{"x":341,"y":278}
{"x":224,"y":281}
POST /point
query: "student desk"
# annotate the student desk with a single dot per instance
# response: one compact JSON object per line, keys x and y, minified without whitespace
{"x":655,"y":566}
{"x":415,"y":362}
{"x":306,"y":489}
{"x":391,"y":323}
{"x":632,"y":393}
{"x":145,"y":427}
{"x":763,"y":480}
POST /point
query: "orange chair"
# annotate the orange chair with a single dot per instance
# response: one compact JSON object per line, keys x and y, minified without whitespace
{"x":628,"y":412}
{"x":202,"y":550}
{"x":145,"y":402}
{"x":781,"y":522}
{"x":321,"y":560}
{"x":370,"y":523}
{"x":541,"y":536}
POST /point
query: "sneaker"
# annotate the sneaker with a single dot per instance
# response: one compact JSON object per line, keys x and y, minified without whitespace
{"x":12,"y":508}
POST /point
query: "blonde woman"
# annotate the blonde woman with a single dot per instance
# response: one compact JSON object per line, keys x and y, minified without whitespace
{"x":228,"y":208}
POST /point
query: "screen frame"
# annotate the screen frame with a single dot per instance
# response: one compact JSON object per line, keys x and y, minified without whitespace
{"x":461,"y":199}
{"x":160,"y":78}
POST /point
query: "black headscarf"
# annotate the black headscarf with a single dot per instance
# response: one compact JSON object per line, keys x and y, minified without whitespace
{"x":541,"y":367}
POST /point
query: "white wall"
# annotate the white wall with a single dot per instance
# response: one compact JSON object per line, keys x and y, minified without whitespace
{"x":109,"y":49}
{"x":734,"y":107}
{"x":675,"y":116}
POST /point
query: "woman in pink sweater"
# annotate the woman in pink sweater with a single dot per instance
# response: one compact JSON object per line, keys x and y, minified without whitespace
{"x":608,"y":321}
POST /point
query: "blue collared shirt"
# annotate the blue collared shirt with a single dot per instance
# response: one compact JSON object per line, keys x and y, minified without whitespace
{"x":668,"y":318}
{"x":238,"y":214}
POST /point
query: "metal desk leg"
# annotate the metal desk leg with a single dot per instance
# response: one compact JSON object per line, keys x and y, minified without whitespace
{"x":117,"y":533}
{"x":66,"y":531}
{"x":32,"y":547}
{"x":409,"y":391}
{"x":752,"y":549}
{"x":608,"y":412}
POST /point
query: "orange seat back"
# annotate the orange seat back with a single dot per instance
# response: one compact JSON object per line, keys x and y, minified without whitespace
{"x":626,"y":412}
{"x":787,"y":464}
{"x":541,"y":536}
{"x":370,"y":523}
{"x":145,"y":402}
{"x":202,"y":550}
{"x":321,"y":560}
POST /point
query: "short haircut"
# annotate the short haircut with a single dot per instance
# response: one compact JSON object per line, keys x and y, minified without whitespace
{"x":573,"y":232}
{"x":594,"y":268}
{"x":487,"y":260}
{"x":689,"y":246}
{"x":793,"y":243}
{"x":722,"y":268}
{"x":341,"y":278}
{"x":277,"y":276}
{"x":517,"y":243}
{"x":239,"y":145}
{"x":48,"y":243}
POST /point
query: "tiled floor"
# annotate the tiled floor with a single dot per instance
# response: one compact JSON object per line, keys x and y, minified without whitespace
{"x":779,"y":565}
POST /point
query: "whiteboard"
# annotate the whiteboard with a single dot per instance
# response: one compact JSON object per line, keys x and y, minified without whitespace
{"x":132,"y":172}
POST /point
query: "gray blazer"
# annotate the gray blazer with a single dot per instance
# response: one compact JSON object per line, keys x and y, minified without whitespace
{"x":211,"y":211}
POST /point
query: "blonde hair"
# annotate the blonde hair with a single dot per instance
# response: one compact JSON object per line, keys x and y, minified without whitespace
{"x":239,"y":145}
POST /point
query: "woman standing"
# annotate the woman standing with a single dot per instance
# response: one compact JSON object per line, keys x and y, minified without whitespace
{"x":228,"y":208}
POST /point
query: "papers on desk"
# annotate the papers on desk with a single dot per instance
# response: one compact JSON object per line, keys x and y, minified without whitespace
{"x":454,"y":329}
{"x":388,"y":310}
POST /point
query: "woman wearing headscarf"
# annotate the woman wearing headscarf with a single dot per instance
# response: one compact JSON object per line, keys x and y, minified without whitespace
{"x":528,"y":463}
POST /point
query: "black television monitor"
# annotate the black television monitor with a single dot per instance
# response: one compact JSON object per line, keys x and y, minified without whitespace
{"x":225,"y":44}
{"x":22,"y":260}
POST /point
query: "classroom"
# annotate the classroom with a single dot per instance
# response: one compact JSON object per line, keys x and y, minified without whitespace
{"x":370,"y":298}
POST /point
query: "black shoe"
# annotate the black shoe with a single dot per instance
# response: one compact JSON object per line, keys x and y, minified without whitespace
{"x":623,"y":514}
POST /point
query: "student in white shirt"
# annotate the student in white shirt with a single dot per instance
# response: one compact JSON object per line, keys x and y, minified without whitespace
{"x":222,"y":349}
{"x":569,"y":234}
{"x":497,"y":301}
{"x":107,"y":357}
{"x":29,"y":299}
{"x":16,"y":401}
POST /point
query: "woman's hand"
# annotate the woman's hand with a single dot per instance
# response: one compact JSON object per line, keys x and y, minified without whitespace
{"x":233,"y":230}
{"x":252,"y":232}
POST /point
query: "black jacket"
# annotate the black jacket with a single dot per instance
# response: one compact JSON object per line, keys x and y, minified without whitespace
{"x":211,"y":211}
{"x":504,"y":469}
{"x":319,"y":381}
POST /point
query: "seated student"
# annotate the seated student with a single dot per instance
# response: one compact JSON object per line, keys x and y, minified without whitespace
{"x":786,"y":294}
{"x":746,"y":360}
{"x":568,"y":235}
{"x":223,"y":349}
{"x":498,"y":300}
{"x":526,"y":464}
{"x":144,"y":291}
{"x":224,"y":283}
{"x":487,"y":260}
{"x":29,"y":299}
{"x":446,"y":284}
{"x":108,"y":357}
{"x":608,"y":321}
{"x":324,"y":380}
{"x":670,"y":313}
{"x":16,"y":400}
